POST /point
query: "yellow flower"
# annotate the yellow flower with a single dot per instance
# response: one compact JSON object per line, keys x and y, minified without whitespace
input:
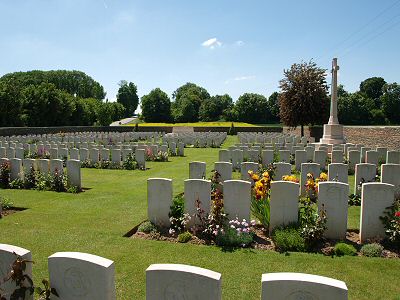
{"x":323,"y":177}
{"x":255,"y":177}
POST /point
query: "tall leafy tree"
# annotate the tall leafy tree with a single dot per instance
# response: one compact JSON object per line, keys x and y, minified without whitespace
{"x":355,"y":109}
{"x":391,"y":102}
{"x":183,"y":111}
{"x":252,"y":108}
{"x":273,"y":106}
{"x":213,"y":109}
{"x":373,"y":89}
{"x":127,"y":96}
{"x":156,"y":106}
{"x":303,"y":98}
{"x":47,"y":106}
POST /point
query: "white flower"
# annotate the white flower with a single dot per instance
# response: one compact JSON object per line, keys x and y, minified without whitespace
{"x":171,"y":231}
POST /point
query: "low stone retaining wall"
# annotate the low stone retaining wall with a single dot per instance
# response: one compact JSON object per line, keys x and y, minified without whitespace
{"x":369,"y":136}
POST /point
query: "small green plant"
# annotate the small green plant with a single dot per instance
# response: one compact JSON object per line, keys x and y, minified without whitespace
{"x":231,"y":130}
{"x":5,"y":170}
{"x":312,"y":223}
{"x":177,"y":215}
{"x":59,"y":181}
{"x":22,"y":281}
{"x":342,"y":249}
{"x":5,"y":203}
{"x":288,"y":238}
{"x":130,"y":163}
{"x":372,"y":250}
{"x":354,"y":200}
{"x":391,"y":222}
{"x":184,"y":237}
{"x":147,"y":227}
{"x":232,"y":238}
{"x":46,"y":292}
{"x":17,"y":183}
{"x":30,"y":179}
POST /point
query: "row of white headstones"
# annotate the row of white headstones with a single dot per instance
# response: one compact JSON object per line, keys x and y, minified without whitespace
{"x":82,"y":276}
{"x":332,"y":195}
{"x":20,"y":167}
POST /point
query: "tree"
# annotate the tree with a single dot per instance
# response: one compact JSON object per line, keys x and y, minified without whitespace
{"x":11,"y":112}
{"x":213,"y":109}
{"x":156,"y":106}
{"x":391,"y":102}
{"x":47,"y":106}
{"x":187,"y":110}
{"x":252,"y":108}
{"x":372,"y":88}
{"x":273,"y":106}
{"x":127,"y":96}
{"x":181,"y":110}
{"x":303,"y":99}
{"x":355,"y":109}
{"x":109,"y":112}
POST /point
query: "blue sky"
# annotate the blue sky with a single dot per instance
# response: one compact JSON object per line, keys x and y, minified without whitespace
{"x":226,"y":46}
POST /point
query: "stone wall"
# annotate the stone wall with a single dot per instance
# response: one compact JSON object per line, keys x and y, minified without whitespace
{"x":369,"y":136}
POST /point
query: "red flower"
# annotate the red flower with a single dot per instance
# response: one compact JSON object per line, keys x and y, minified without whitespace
{"x":397,"y":214}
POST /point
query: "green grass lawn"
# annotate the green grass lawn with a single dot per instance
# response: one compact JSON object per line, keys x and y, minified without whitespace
{"x":204,"y":124}
{"x":96,"y":220}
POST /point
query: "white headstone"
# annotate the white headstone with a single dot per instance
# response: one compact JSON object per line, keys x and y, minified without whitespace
{"x":44,"y":166}
{"x":8,"y":255}
{"x":197,"y":189}
{"x":337,"y":156}
{"x":375,"y":198}
{"x":140,"y":156}
{"x":56,"y":165}
{"x":224,"y":155}
{"x":393,"y":157}
{"x":372,"y":157}
{"x":245,"y":167}
{"x":300,"y":157}
{"x":173,"y":281}
{"x":81,"y":276}
{"x":282,"y":169}
{"x":267,"y":157}
{"x":159,"y":200}
{"x":338,"y":172}
{"x":224,"y":169}
{"x":16,"y":168}
{"x":74,"y":173}
{"x":307,"y":168}
{"x":284,"y":204}
{"x":237,"y":196}
{"x":296,"y":286}
{"x":333,"y":198}
{"x":391,"y":174}
{"x":197,"y":170}
{"x":237,"y":158}
{"x":364,"y":173}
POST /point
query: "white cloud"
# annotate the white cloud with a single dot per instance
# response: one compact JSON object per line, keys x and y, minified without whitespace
{"x":212,"y":43}
{"x":240,"y":78}
{"x":239,"y":43}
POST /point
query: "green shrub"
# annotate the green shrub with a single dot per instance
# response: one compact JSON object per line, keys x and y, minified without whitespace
{"x":5,"y":203}
{"x":17,"y":183}
{"x":372,"y":250}
{"x":184,"y":237}
{"x":288,"y":239}
{"x":230,"y":238}
{"x":147,"y":227}
{"x":344,"y":249}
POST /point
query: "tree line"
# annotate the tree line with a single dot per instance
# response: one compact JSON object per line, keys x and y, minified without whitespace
{"x":62,"y":98}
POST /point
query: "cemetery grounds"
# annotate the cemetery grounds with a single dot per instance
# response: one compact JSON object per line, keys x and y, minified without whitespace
{"x":114,"y":201}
